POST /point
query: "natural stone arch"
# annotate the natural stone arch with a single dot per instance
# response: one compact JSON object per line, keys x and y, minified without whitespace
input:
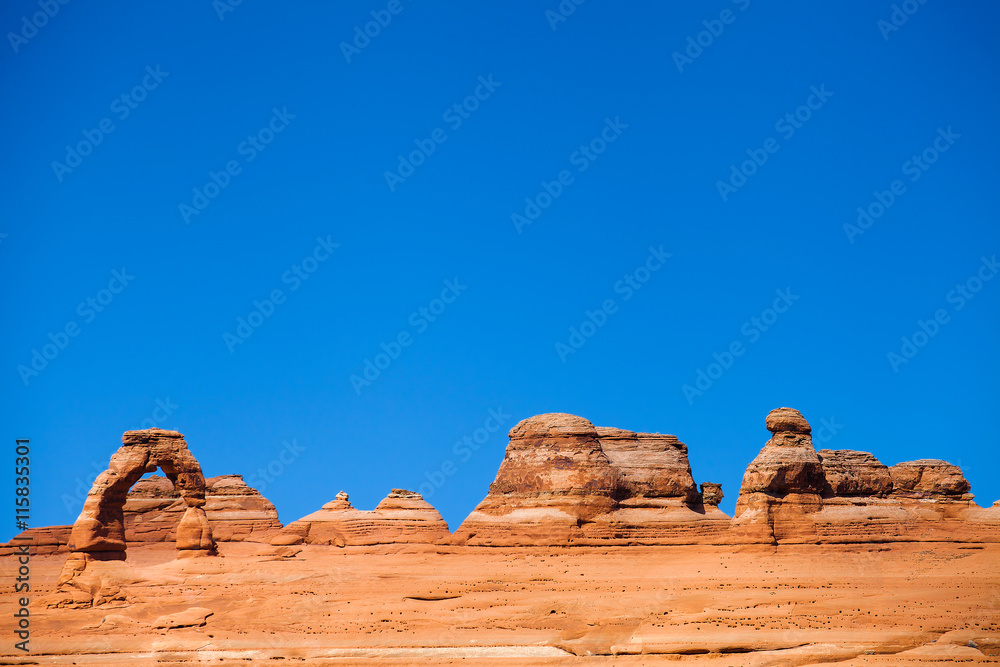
{"x":99,"y":531}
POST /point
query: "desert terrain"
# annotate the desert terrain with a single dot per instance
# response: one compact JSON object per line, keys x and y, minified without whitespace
{"x":593,"y":546}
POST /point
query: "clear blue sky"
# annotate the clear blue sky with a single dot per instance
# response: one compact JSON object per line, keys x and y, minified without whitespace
{"x":622,"y":146}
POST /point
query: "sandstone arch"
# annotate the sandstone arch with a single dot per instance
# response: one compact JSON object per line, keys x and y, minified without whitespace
{"x":99,"y":531}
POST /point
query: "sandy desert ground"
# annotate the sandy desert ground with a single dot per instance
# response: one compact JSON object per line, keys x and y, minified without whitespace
{"x":894,"y":604}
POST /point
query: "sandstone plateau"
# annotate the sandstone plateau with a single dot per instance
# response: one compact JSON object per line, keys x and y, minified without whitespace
{"x":593,"y":545}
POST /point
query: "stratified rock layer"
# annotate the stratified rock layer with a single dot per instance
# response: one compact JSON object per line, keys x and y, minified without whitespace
{"x":402,"y":517}
{"x":564,"y":481}
{"x":851,"y":496}
{"x":782,"y":484}
{"x":235,"y":511}
{"x":651,"y":465}
{"x":153,"y":509}
{"x":851,"y":473}
{"x":929,"y":479}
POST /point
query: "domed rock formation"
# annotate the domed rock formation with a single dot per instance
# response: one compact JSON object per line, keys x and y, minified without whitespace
{"x":402,"y":517}
{"x":235,"y":511}
{"x":554,"y":478}
{"x":564,"y":481}
{"x":929,"y":479}
{"x":651,"y":465}
{"x":851,"y":473}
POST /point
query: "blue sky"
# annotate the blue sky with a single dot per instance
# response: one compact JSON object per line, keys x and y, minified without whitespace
{"x":508,"y":172}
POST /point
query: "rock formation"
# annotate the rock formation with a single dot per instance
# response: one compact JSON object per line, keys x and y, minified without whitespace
{"x":564,"y":481}
{"x":153,"y":509}
{"x":99,"y":531}
{"x":792,"y":494}
{"x":851,"y":473}
{"x":782,"y":484}
{"x":235,"y":511}
{"x":929,"y":479}
{"x":711,"y":494}
{"x":100,"y":527}
{"x":402,"y":517}
{"x":554,"y":478}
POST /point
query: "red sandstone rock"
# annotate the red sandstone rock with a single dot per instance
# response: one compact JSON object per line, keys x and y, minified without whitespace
{"x":563,"y":481}
{"x":101,"y":525}
{"x":99,"y":532}
{"x":403,"y":517}
{"x":929,"y":478}
{"x":234,"y":510}
{"x":554,"y":478}
{"x":782,"y":484}
{"x":651,"y":465}
{"x":711,"y":494}
{"x":851,"y":473}
{"x":153,"y":509}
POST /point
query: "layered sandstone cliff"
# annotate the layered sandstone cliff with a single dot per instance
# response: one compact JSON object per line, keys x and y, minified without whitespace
{"x":793,"y":494}
{"x":565,"y":481}
{"x":402,"y":517}
{"x":236,"y":511}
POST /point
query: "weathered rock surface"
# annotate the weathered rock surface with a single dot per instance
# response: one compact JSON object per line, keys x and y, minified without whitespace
{"x":781,"y":485}
{"x":711,"y":494}
{"x":851,"y":497}
{"x":554,"y":478}
{"x":651,"y":465}
{"x":889,"y":605}
{"x":565,"y":481}
{"x":402,"y":517}
{"x":851,"y":473}
{"x":787,"y":463}
{"x":153,"y":510}
{"x":929,"y":478}
{"x":235,"y":511}
{"x":99,"y":532}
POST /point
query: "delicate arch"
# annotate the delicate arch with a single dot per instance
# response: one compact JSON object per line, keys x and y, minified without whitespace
{"x":100,"y":529}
